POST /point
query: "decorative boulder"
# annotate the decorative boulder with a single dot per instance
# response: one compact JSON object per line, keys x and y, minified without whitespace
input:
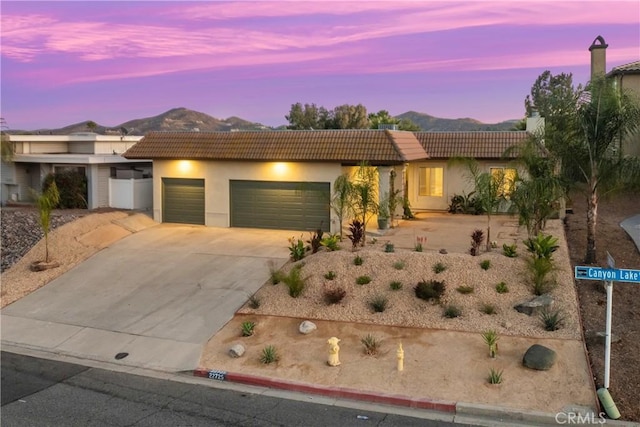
{"x":536,"y":305}
{"x":307,"y":327}
{"x":236,"y":351}
{"x":539,"y":357}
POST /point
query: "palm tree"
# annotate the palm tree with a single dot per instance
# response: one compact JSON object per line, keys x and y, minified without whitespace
{"x":46,"y":202}
{"x":603,"y":116}
{"x":341,"y":200}
{"x":364,"y":197}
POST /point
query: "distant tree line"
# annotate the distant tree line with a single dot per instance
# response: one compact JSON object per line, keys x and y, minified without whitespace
{"x":311,"y":116}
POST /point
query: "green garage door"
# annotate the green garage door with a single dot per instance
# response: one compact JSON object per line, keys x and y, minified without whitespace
{"x":280,"y":205}
{"x":183,"y":200}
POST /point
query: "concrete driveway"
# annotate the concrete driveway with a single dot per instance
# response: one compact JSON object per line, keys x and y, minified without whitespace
{"x":158,"y":295}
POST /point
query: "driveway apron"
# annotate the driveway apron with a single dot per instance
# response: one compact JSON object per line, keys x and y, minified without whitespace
{"x":158,"y":295}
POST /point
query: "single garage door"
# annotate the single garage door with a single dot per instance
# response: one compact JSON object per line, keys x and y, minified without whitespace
{"x":280,"y":205}
{"x":183,"y":200}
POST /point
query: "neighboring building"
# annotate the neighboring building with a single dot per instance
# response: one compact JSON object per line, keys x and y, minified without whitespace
{"x":284,"y":179}
{"x":97,"y":156}
{"x":627,"y":78}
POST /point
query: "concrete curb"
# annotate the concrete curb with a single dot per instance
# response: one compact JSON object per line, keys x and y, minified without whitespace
{"x":460,"y":410}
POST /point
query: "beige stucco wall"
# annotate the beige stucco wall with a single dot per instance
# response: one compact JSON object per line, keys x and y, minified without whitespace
{"x":631,"y":84}
{"x":217,"y":175}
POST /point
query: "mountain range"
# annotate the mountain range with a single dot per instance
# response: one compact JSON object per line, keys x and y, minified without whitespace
{"x":183,"y":119}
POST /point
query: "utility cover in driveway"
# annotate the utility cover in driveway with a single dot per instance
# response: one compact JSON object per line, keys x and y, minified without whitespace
{"x":183,"y":200}
{"x":280,"y":205}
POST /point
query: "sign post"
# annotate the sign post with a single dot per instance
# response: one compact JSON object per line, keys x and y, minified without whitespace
{"x":608,"y":275}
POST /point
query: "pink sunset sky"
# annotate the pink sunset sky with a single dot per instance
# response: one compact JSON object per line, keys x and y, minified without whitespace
{"x":71,"y":61}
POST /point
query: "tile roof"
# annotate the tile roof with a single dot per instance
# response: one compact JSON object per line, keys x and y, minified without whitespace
{"x":479,"y":145}
{"x":632,"y":67}
{"x":346,"y":146}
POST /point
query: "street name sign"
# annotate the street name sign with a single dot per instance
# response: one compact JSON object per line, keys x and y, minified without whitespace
{"x":608,"y":274}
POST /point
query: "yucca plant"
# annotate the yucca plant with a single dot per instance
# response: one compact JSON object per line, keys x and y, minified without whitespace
{"x":552,"y":320}
{"x":371,"y":344}
{"x":247,"y":328}
{"x":254,"y":302}
{"x":491,"y":338}
{"x":452,"y":311}
{"x":495,"y":376}
{"x":379,"y":303}
{"x":269,"y":355}
{"x":539,"y":270}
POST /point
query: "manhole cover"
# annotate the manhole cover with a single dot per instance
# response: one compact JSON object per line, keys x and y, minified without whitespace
{"x":121,"y":355}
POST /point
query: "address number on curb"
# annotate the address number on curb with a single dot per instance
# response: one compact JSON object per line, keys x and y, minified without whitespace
{"x":217,"y":375}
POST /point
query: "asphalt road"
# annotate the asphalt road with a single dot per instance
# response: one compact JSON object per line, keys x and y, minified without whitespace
{"x":40,"y":392}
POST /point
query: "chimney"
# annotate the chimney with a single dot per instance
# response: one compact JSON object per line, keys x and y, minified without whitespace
{"x":535,"y":123}
{"x":598,"y":51}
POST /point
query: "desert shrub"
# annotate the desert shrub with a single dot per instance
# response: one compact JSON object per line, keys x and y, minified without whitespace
{"x":466,"y":204}
{"x":72,"y":188}
{"x":432,"y":289}
{"x":275,"y":275}
{"x":363,"y":280}
{"x":247,"y":328}
{"x":418,"y":247}
{"x":542,"y":246}
{"x":297,"y":249}
{"x":330,"y":275}
{"x":465,"y":289}
{"x":379,"y":303}
{"x":539,"y":270}
{"x":510,"y":250}
{"x":294,"y":281}
{"x":358,"y":260}
{"x":485,"y":264}
{"x":438,"y":267}
{"x":495,"y":376}
{"x":451,"y":311}
{"x":269,"y":355}
{"x":395,"y":285}
{"x":371,"y":344}
{"x":399,"y":265}
{"x":356,"y":228}
{"x":254,"y":302}
{"x":334,"y":295}
{"x":552,"y":320}
{"x":389,"y":247}
{"x":488,"y":308}
{"x":331,"y":242}
{"x":502,"y":288}
{"x":477,"y":237}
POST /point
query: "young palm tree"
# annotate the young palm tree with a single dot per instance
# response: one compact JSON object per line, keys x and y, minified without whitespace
{"x":364,"y":197}
{"x":46,"y":202}
{"x":603,"y":117}
{"x":341,"y":202}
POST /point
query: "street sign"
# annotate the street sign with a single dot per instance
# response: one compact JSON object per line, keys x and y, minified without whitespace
{"x":609,"y":274}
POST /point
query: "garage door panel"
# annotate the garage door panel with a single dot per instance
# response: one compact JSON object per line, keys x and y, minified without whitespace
{"x":280,"y":205}
{"x":183,"y":200}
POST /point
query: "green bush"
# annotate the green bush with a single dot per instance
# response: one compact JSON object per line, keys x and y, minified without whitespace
{"x":331,"y":242}
{"x":418,"y":247}
{"x":502,"y":288}
{"x":72,"y":188}
{"x":399,"y":265}
{"x":395,"y":285}
{"x":389,"y":247}
{"x":334,"y":295}
{"x":247,"y":328}
{"x":452,"y":311}
{"x":297,"y":249}
{"x":465,"y":289}
{"x":363,"y":280}
{"x":438,"y":267}
{"x":510,"y":250}
{"x":488,"y":308}
{"x":358,"y":260}
{"x":379,"y":303}
{"x":485,"y":264}
{"x":542,"y":246}
{"x":330,"y":275}
{"x":432,"y":289}
{"x":371,"y":344}
{"x":539,"y":270}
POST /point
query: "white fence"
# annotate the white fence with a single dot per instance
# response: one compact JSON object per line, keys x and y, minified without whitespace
{"x":131,"y":193}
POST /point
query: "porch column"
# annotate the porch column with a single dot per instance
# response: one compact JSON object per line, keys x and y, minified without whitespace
{"x":92,"y":186}
{"x":383,"y":180}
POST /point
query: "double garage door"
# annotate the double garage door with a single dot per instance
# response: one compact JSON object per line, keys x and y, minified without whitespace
{"x":253,"y":204}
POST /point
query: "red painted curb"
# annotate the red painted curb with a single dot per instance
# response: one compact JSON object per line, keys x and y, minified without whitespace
{"x":337,"y":392}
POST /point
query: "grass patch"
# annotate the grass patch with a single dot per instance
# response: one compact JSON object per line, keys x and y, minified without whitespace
{"x":389,"y":247}
{"x":371,"y":344}
{"x":379,"y":303}
{"x":485,"y":264}
{"x":452,"y":311}
{"x":395,"y":285}
{"x":438,"y":267}
{"x":418,"y":247}
{"x":502,"y":288}
{"x":465,"y":290}
{"x":330,"y":275}
{"x":363,"y":280}
{"x":399,"y":265}
{"x":295,"y":282}
{"x":488,"y":308}
{"x":358,"y":260}
{"x":254,"y":302}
